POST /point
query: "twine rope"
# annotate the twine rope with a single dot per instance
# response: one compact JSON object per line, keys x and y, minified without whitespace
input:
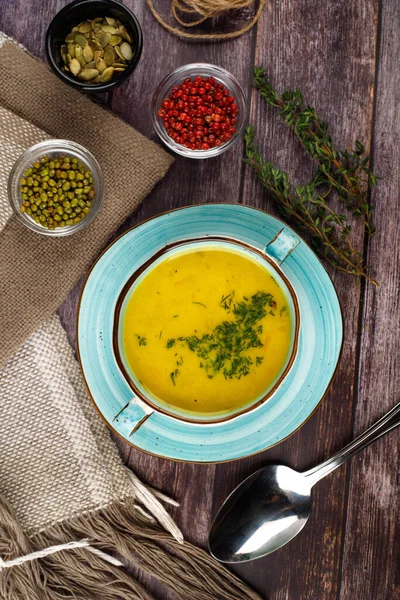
{"x":15,"y":562}
{"x":205,"y":9}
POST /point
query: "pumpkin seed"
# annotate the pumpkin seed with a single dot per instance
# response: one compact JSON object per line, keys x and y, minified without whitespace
{"x":108,"y":28}
{"x":63,"y":52}
{"x":88,"y":74}
{"x":74,"y":29}
{"x":110,"y":21}
{"x":101,"y":65}
{"x":70,"y":37}
{"x":79,"y":55}
{"x":114,"y":40}
{"x":119,"y":69}
{"x":126,"y":51}
{"x":104,"y":38}
{"x":118,"y":51}
{"x":74,"y":67}
{"x":120,"y":65}
{"x":71,"y":50}
{"x":85,"y":27}
{"x":94,"y":44}
{"x":88,"y":53}
{"x":97,"y":54}
{"x":107,"y":74}
{"x":125,"y":34}
{"x":97,"y":79}
{"x":80,"y":39}
{"x":109,"y":55}
{"x":91,"y":65}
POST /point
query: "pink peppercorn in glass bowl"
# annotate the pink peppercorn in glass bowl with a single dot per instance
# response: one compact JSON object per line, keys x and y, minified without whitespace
{"x":221,"y":77}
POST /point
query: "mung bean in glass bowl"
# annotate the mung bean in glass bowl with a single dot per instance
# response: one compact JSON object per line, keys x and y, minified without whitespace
{"x":53,"y":184}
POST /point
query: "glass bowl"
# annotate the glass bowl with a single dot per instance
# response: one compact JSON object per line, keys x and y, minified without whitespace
{"x":53,"y":148}
{"x":175,"y":78}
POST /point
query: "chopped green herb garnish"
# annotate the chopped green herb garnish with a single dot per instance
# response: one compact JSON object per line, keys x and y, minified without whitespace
{"x":224,"y":350}
{"x":227,"y":300}
{"x":200,"y":303}
{"x":259,"y":360}
{"x":174,"y":375}
{"x":176,"y":316}
{"x":142,"y":340}
{"x":283,"y":309}
{"x":159,"y":337}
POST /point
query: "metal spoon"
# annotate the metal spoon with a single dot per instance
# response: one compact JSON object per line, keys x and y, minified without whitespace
{"x":272,"y":506}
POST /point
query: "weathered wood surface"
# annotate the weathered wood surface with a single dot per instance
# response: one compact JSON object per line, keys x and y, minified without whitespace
{"x":345,"y":56}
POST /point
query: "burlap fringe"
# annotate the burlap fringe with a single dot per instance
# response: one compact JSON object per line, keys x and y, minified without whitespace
{"x":79,"y":575}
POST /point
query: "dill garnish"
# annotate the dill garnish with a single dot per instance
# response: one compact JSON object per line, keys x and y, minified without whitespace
{"x":227,"y":300}
{"x":174,"y":375}
{"x":224,"y":350}
{"x":142,"y":340}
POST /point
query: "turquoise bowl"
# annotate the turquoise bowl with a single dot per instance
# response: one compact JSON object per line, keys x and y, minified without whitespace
{"x":319,"y":339}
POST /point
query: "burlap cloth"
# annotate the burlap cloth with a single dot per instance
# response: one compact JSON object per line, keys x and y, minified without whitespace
{"x":60,"y":474}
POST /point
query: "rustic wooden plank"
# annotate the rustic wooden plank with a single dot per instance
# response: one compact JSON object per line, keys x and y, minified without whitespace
{"x":28,"y":24}
{"x":312,"y":46}
{"x":373,"y":521}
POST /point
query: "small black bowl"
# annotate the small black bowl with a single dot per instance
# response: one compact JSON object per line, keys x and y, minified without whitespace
{"x":80,"y":10}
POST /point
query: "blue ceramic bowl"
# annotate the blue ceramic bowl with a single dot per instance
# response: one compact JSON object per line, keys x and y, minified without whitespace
{"x":293,"y":401}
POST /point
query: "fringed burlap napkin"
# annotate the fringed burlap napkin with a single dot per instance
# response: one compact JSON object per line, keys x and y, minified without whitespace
{"x":61,"y":479}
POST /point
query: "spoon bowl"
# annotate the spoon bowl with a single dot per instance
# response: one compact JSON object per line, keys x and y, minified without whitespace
{"x":262,"y":514}
{"x":272,"y":506}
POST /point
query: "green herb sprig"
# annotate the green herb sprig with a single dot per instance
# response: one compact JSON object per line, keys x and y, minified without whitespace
{"x":346,"y":172}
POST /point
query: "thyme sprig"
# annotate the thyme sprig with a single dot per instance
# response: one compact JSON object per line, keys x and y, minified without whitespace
{"x":330,"y":233}
{"x":346,"y":171}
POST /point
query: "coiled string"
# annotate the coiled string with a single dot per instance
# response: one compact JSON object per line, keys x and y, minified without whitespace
{"x":205,"y":9}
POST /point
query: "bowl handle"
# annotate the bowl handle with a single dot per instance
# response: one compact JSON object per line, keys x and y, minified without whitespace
{"x":282,"y":245}
{"x":132,"y":416}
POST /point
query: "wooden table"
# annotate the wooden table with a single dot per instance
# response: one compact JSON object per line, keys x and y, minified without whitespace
{"x":345,"y":56}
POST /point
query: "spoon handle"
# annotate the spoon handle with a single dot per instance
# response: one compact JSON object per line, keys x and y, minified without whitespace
{"x":384,"y":425}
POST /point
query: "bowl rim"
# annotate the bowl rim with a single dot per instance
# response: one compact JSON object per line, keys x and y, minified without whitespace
{"x":67,"y":145}
{"x":94,"y":87}
{"x":178,"y":148}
